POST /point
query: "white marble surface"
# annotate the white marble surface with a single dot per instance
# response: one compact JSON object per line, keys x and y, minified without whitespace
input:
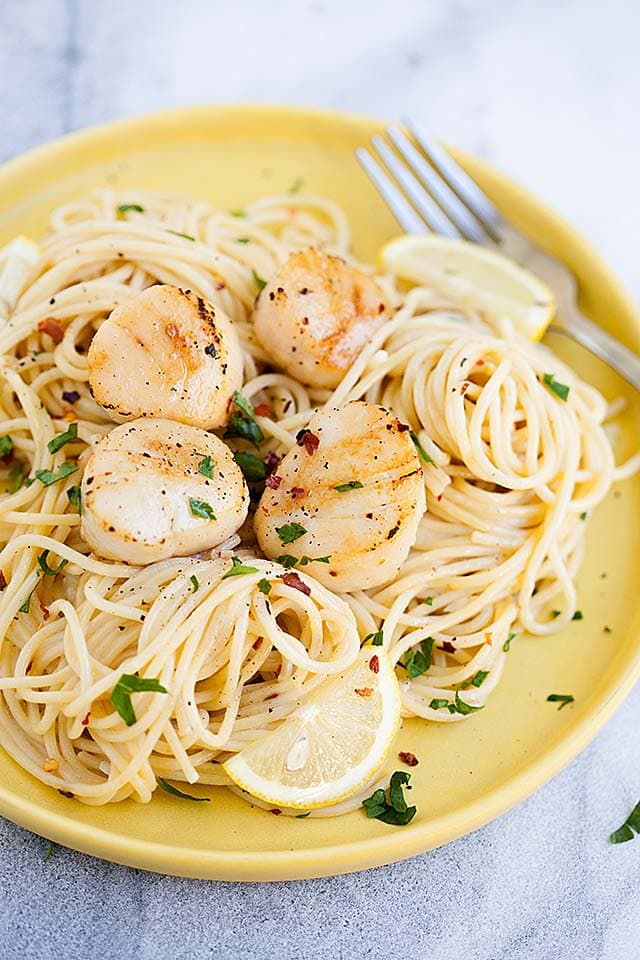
{"x":550,"y":92}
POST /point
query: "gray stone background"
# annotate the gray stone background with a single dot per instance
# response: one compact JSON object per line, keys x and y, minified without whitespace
{"x":550,"y":92}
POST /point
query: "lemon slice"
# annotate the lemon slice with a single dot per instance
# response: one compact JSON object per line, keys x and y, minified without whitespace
{"x":17,"y":260}
{"x":332,"y":745}
{"x":473,"y":277}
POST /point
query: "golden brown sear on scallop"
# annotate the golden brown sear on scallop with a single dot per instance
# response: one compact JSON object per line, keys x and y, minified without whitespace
{"x":315,"y":316}
{"x":166,"y":353}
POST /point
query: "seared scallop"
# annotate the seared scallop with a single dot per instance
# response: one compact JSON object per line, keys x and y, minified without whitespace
{"x":346,"y":501}
{"x":316,"y":314}
{"x":166,"y":353}
{"x":154,"y":489}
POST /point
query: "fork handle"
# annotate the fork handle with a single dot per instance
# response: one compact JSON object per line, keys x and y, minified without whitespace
{"x":600,"y":343}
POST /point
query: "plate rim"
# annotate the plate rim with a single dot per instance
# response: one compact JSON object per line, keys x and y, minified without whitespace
{"x":390,"y":846}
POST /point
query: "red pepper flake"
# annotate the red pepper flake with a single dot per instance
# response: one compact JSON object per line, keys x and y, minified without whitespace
{"x":374,"y":664}
{"x":51,"y":326}
{"x":262,"y":410}
{"x":273,"y":482}
{"x":66,"y":793}
{"x":258,"y":643}
{"x":364,"y":691}
{"x":85,"y":720}
{"x":297,"y":492}
{"x":44,"y":611}
{"x":465,"y":386}
{"x":293,"y":580}
{"x":409,"y":758}
{"x":272,"y":461}
{"x":479,"y":363}
{"x":220,"y":285}
{"x":448,"y":647}
{"x":308,"y":440}
{"x":3,"y":580}
{"x":275,"y":811}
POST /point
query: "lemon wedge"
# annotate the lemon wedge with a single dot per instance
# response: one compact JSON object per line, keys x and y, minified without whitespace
{"x":17,"y":260}
{"x":332,"y":745}
{"x":473,"y":277}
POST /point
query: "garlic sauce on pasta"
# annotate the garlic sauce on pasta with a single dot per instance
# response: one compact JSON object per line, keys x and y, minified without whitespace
{"x":511,"y":470}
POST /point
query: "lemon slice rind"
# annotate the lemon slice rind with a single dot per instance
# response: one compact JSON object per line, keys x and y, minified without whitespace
{"x":332,"y":746}
{"x":473,"y":277}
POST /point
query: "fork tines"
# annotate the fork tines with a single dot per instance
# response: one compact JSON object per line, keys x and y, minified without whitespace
{"x":428,"y":189}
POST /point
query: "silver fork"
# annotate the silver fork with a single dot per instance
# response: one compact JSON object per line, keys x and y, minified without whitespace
{"x":430,"y":191}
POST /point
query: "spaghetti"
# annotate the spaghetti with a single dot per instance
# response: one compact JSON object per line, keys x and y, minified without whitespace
{"x":510,"y":473}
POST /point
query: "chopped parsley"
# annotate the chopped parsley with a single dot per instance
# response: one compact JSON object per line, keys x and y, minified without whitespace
{"x":393,"y":810}
{"x":125,"y":207}
{"x":577,"y":615}
{"x":206,"y":465}
{"x":238,"y":568}
{"x":243,"y":239}
{"x":46,"y":569}
{"x":555,"y":613}
{"x":24,"y":608}
{"x":194,"y":582}
{"x":185,"y":236}
{"x":74,"y":495}
{"x":464,"y":708}
{"x":351,"y":485}
{"x":583,"y":515}
{"x":507,"y":643}
{"x":260,"y":283}
{"x":560,"y":389}
{"x":58,"y":442}
{"x":458,"y":706}
{"x":201,"y":509}
{"x":240,"y":426}
{"x":562,"y":698}
{"x":6,"y":445}
{"x":286,"y":560}
{"x":264,"y":586}
{"x":168,"y":788}
{"x":476,"y":680}
{"x":422,"y":453}
{"x":243,"y":424}
{"x":440,"y":704}
{"x":49,"y":852}
{"x":253,"y":468}
{"x":243,"y":404}
{"x":296,"y":185}
{"x":47,"y":477}
{"x":131,"y":683}
{"x":377,"y":638}
{"x":417,"y":662}
{"x":16,"y":476}
{"x":237,"y":213}
{"x":289,"y":532}
{"x":629,"y":828}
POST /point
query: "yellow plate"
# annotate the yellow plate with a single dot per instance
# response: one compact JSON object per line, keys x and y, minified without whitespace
{"x":468,"y":772}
